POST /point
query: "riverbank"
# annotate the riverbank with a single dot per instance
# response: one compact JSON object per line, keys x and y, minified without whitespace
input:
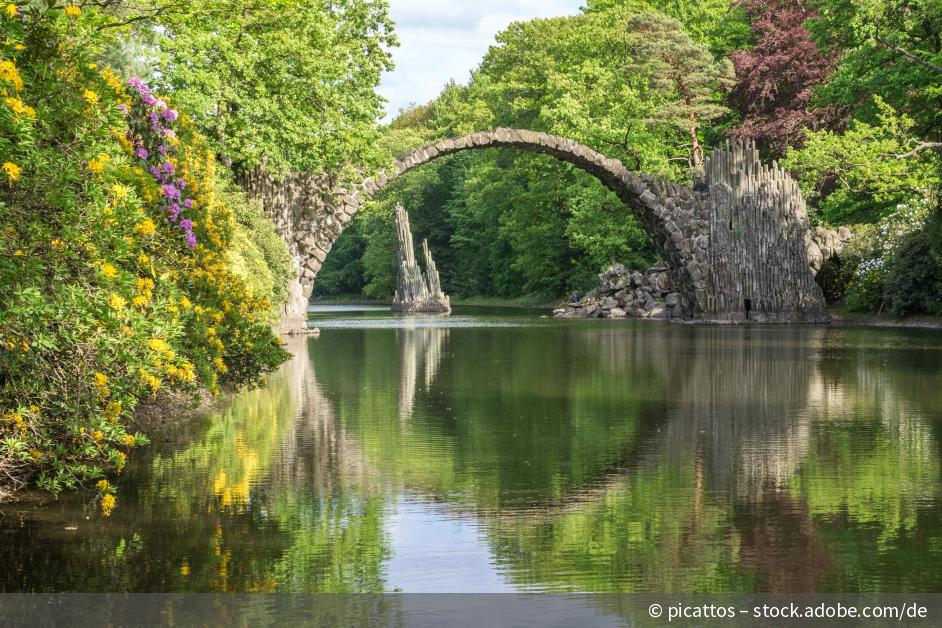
{"x":527,"y":301}
{"x":839,"y":317}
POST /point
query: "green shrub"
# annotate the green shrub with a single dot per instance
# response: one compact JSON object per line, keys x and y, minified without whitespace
{"x":913,"y":278}
{"x":258,"y":254}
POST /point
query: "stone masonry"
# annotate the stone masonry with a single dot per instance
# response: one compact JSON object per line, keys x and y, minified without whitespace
{"x":736,"y":244}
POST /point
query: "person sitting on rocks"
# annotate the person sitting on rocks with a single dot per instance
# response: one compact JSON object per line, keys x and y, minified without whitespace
{"x":574,"y":298}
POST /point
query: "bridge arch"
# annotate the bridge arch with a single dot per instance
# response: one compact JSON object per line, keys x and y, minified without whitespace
{"x":716,"y":238}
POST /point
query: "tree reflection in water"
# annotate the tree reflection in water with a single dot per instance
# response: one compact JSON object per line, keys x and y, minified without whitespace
{"x":625,"y":457}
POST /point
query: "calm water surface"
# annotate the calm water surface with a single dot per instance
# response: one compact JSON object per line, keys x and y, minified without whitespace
{"x":494,"y":451}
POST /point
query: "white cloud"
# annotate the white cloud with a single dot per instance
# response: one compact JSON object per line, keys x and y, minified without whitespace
{"x":442,"y":40}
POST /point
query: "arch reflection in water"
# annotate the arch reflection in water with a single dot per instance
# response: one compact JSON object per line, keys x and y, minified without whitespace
{"x":550,"y":456}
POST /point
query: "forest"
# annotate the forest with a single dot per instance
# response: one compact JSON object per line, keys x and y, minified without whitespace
{"x":845,"y":95}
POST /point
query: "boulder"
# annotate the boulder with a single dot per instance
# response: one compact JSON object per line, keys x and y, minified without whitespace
{"x":617,"y":312}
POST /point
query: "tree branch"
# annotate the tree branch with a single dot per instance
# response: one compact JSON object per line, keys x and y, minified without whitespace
{"x":908,"y":55}
{"x":919,"y":148}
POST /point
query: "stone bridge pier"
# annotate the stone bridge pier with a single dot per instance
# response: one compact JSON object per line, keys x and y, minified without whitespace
{"x":736,"y":243}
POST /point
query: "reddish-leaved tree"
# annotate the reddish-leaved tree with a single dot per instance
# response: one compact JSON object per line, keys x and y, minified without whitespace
{"x":775,"y":78}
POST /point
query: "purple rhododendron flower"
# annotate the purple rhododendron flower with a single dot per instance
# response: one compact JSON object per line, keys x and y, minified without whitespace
{"x":135,"y":81}
{"x":170,"y":115}
{"x":161,"y":104}
{"x":186,"y":224}
{"x":123,"y":108}
{"x":167,"y":167}
{"x":169,"y":133}
{"x":148,"y":99}
{"x":153,"y":171}
{"x":188,"y":203}
{"x":170,"y":191}
{"x":140,"y":152}
{"x":191,"y":240}
{"x":163,"y":149}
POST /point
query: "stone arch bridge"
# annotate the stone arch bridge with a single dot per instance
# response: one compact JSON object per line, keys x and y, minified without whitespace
{"x":736,"y":244}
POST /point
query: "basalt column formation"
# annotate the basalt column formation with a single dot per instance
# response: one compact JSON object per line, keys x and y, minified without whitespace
{"x":416,"y":291}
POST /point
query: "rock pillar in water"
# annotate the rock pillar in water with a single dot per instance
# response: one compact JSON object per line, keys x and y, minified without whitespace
{"x":415,"y":291}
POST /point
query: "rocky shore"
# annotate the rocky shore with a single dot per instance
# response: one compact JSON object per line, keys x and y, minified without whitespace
{"x":623,"y":293}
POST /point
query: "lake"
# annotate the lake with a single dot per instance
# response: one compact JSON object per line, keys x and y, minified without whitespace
{"x":493,"y":451}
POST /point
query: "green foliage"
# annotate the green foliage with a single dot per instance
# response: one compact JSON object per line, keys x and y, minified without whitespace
{"x":258,"y":254}
{"x":862,"y":174}
{"x":720,"y":24}
{"x":284,"y":83}
{"x":915,"y":270}
{"x":342,"y":272}
{"x":684,"y":81}
{"x":894,"y":266}
{"x":888,"y":48}
{"x":101,"y":302}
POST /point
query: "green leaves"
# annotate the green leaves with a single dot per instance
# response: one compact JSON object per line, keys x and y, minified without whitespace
{"x":862,"y":174}
{"x":287,"y":83}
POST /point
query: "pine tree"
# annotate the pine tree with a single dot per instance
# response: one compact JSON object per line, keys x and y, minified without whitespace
{"x":682,"y":74}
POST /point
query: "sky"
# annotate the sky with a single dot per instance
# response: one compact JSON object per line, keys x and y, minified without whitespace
{"x":441,"y":40}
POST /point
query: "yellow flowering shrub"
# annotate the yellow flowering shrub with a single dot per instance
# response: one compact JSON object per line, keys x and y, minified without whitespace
{"x":102,"y":303}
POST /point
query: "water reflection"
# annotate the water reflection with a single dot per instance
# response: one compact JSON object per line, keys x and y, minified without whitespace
{"x":555,"y":456}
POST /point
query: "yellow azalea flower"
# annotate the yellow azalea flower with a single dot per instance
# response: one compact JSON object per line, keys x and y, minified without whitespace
{"x":119,"y":191}
{"x":98,"y":436}
{"x":57,"y":244}
{"x":113,"y":81}
{"x":152,"y":382}
{"x":122,"y":458}
{"x":145,"y":228}
{"x":117,"y":302}
{"x":139,"y":301}
{"x":91,"y":97}
{"x":9,"y":73}
{"x":113,"y":410}
{"x":128,"y":440}
{"x":157,"y":344}
{"x":185,"y":303}
{"x":20,"y":108}
{"x":73,"y":11}
{"x":108,"y":501}
{"x":11,"y":10}
{"x":101,"y":380}
{"x":143,"y":259}
{"x":109,"y":271}
{"x":12,"y":171}
{"x":103,"y":485}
